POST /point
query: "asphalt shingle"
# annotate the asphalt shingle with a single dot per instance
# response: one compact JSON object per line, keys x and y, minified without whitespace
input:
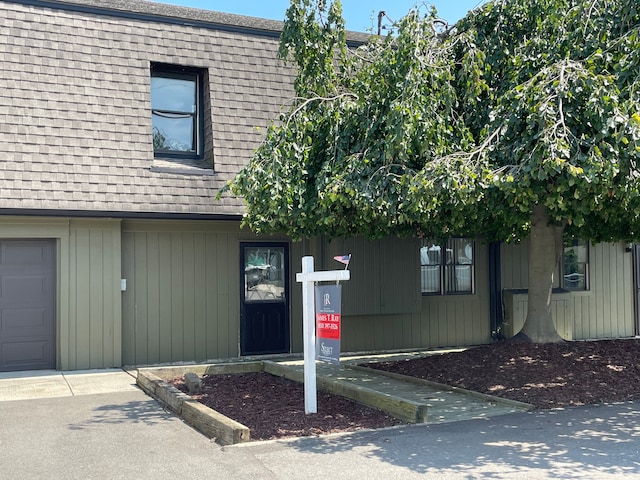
{"x":75,"y":121}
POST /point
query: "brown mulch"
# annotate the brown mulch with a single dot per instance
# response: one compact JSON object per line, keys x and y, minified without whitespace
{"x":547,"y":376}
{"x":273,"y":407}
{"x":544,"y":375}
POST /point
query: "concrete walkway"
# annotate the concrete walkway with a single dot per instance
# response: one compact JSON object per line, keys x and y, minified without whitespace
{"x":412,"y":400}
{"x":52,"y":384}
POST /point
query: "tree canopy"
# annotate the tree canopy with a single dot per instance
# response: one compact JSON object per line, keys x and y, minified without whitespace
{"x":444,"y":131}
{"x":522,"y":120}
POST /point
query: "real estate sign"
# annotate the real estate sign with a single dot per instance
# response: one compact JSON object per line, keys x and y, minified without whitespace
{"x":328,"y":311}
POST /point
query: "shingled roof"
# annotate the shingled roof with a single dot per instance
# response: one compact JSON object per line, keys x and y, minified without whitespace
{"x":75,"y":121}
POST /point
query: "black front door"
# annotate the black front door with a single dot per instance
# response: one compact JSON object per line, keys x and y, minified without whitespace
{"x":264,"y":298}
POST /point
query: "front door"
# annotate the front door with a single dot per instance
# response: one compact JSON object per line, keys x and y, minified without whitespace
{"x":264,"y":298}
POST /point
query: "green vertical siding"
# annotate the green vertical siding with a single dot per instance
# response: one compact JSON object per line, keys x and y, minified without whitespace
{"x":385,"y":275}
{"x":607,"y":310}
{"x":562,"y":311}
{"x":604,"y":311}
{"x":94,"y":335}
{"x":439,"y":321}
{"x":460,"y":319}
{"x":362,"y":293}
{"x":298,"y":250}
{"x":182,"y":300}
{"x":515,"y":265}
{"x":182,"y":303}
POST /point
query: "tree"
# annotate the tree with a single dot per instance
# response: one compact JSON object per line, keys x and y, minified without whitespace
{"x":520,"y":121}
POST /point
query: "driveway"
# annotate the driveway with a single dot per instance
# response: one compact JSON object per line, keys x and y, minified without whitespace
{"x":127,"y":435}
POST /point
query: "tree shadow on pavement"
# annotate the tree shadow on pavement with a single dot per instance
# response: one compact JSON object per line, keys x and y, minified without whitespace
{"x":594,"y":441}
{"x":147,"y":412}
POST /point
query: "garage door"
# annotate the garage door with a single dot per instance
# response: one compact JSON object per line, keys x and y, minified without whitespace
{"x":27,"y":305}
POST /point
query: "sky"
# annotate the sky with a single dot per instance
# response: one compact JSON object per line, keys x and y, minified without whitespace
{"x":360,"y":15}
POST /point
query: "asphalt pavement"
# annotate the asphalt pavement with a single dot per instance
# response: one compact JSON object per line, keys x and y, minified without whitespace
{"x":124,"y":434}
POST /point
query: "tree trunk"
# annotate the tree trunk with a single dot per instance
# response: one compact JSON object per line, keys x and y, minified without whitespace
{"x":545,"y":251}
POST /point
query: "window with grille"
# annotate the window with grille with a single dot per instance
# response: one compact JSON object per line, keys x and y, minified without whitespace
{"x":447,"y":268}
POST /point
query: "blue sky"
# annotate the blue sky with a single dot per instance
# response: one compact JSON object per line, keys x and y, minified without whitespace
{"x":360,"y":15}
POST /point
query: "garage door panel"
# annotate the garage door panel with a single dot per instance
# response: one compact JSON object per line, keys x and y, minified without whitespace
{"x":18,"y":322}
{"x":26,"y":355}
{"x":22,"y":253}
{"x":27,"y":304}
{"x":25,"y":289}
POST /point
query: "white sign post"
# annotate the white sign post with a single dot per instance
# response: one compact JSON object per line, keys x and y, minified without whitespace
{"x":308,"y":278}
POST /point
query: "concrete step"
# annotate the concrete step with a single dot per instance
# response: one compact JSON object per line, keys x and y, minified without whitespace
{"x":408,"y":399}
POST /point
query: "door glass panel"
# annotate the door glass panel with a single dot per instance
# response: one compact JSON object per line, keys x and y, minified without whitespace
{"x":264,"y":274}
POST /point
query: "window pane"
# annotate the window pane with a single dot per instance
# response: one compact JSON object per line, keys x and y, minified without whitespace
{"x":430,"y":267}
{"x":430,"y":278}
{"x":577,"y":249}
{"x":430,"y":254}
{"x":575,"y":261}
{"x":462,"y":249}
{"x":173,"y":133}
{"x":264,"y":274}
{"x":173,"y":94}
{"x":576,"y":280}
{"x":459,"y":268}
{"x":458,"y":278}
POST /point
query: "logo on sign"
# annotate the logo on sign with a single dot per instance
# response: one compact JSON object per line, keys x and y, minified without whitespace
{"x":325,"y":350}
{"x":327,"y":299}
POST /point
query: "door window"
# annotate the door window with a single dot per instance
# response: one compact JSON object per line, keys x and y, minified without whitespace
{"x":264,"y":271}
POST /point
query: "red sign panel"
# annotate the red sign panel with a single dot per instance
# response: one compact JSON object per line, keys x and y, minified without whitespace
{"x":328,"y":325}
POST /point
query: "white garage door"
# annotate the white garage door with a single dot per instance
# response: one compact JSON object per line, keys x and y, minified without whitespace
{"x":27,"y":305}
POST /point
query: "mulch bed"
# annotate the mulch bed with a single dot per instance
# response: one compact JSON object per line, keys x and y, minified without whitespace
{"x":273,"y":407}
{"x":544,"y":375}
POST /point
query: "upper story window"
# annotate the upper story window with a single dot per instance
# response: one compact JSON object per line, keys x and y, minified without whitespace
{"x":177,"y":111}
{"x":575,"y":265}
{"x":449,"y":268}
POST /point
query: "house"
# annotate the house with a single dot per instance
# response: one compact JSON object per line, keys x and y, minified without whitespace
{"x":119,"y":123}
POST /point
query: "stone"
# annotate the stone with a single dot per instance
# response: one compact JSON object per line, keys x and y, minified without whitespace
{"x":193,"y":382}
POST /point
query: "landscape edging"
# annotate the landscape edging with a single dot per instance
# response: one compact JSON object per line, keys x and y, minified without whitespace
{"x":207,"y":421}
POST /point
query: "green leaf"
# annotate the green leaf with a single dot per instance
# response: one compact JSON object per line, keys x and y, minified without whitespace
{"x":455,"y":133}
